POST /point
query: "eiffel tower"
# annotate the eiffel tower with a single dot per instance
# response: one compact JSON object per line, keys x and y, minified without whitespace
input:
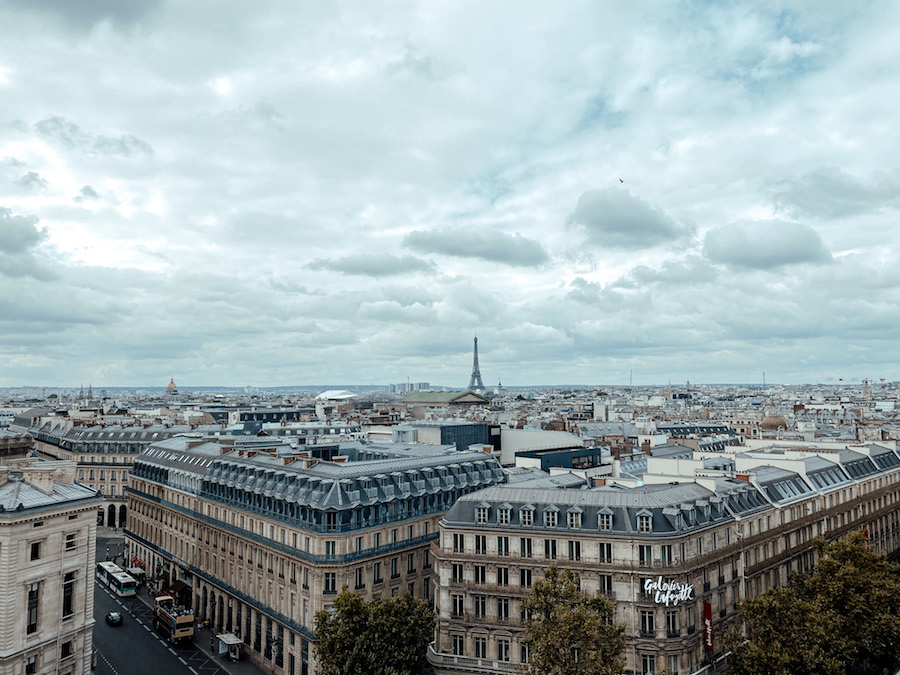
{"x":475,"y":383}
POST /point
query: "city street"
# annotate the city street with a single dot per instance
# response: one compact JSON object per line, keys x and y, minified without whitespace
{"x":135,"y":648}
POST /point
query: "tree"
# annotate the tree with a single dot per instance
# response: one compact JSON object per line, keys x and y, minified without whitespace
{"x":381,"y":637}
{"x":842,"y":618}
{"x":571,"y":633}
{"x":786,"y":636}
{"x":861,"y":591}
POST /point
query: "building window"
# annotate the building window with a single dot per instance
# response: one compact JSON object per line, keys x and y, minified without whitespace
{"x":646,"y":556}
{"x":360,"y":579}
{"x":647,"y":627}
{"x":550,"y":518}
{"x":30,"y":665}
{"x":480,"y":574}
{"x":481,"y":515}
{"x":480,"y":648}
{"x":456,"y":644}
{"x":330,"y":582}
{"x":330,"y":548}
{"x":32,"y":608}
{"x":503,"y":608}
{"x":376,"y":573}
{"x":503,"y":576}
{"x":525,"y":547}
{"x":410,"y":563}
{"x":480,"y":544}
{"x":673,"y":664}
{"x":70,"y":541}
{"x":672,"y":624}
{"x":604,"y":521}
{"x":457,"y":604}
{"x":525,"y":652}
{"x":574,"y":520}
{"x":459,"y":543}
{"x":525,"y":578}
{"x":503,"y":546}
{"x":606,"y":585}
{"x":426,"y":559}
{"x":605,"y":551}
{"x":503,"y":650}
{"x":574,"y":550}
{"x":480,"y":603}
{"x":456,"y":572}
{"x":550,"y":549}
{"x":503,"y":516}
{"x":643,"y":523}
{"x":648,"y":664}
{"x":526,"y":517}
{"x":65,"y":651}
{"x":395,"y":568}
{"x":665,"y":554}
{"x":68,"y":607}
{"x":35,"y":550}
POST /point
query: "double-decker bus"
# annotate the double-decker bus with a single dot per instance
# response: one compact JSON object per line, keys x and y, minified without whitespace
{"x":120,"y":582}
{"x":175,"y":622}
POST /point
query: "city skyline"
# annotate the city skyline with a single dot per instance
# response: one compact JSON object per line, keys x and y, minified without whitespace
{"x":235,"y":194}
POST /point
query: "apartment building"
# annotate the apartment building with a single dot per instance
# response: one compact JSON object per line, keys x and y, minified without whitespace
{"x":105,"y":452}
{"x":676,"y":552}
{"x":259,"y":537}
{"x":48,"y":535}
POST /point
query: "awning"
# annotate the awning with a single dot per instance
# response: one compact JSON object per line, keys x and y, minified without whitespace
{"x":177,"y":587}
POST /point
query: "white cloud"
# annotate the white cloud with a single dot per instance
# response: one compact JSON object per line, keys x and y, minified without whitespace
{"x":765,"y":245}
{"x":338,"y":192}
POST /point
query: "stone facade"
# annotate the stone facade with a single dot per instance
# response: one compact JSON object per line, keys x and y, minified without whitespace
{"x":725,"y":529}
{"x":263,"y":535}
{"x":48,"y":535}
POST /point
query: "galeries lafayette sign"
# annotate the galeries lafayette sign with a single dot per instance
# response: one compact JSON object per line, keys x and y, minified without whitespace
{"x":668,"y":593}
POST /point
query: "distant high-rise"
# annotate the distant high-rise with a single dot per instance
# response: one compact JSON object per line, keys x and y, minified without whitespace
{"x":475,"y":383}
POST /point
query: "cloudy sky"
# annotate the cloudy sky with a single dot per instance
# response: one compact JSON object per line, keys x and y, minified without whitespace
{"x":293,"y":192}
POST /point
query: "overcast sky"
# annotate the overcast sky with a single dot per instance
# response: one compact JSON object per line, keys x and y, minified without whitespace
{"x":277,"y":193}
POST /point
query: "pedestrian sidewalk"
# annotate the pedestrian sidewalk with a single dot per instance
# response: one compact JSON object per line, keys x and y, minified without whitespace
{"x":202,"y":639}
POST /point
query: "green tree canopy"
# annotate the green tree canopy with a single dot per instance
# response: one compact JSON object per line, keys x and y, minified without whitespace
{"x":381,"y":637}
{"x":843,"y":618}
{"x":571,"y":633}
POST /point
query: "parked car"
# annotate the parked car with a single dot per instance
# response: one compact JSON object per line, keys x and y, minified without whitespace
{"x":114,"y":619}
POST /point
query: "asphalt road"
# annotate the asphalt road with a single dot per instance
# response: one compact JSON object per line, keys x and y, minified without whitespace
{"x":135,"y":648}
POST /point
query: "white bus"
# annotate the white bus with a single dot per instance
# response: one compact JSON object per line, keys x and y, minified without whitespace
{"x":120,"y":582}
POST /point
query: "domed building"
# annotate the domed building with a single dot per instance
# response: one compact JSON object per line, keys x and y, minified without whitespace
{"x":774,"y":423}
{"x":171,"y":390}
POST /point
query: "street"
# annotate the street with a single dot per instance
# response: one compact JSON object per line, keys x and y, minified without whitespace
{"x":135,"y":648}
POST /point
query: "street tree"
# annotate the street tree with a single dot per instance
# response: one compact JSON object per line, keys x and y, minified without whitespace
{"x":570,"y":632}
{"x":842,"y":618}
{"x":380,"y":637}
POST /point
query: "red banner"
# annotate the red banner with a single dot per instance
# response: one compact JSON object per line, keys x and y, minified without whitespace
{"x":707,"y":627}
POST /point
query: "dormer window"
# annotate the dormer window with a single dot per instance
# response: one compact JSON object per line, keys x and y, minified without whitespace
{"x":574,"y":520}
{"x":481,"y":515}
{"x":526,"y":517}
{"x":503,"y":516}
{"x":643,"y":523}
{"x":550,"y":518}
{"x":604,"y":521}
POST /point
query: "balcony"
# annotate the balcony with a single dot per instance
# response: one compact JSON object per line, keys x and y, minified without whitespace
{"x":472,"y":664}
